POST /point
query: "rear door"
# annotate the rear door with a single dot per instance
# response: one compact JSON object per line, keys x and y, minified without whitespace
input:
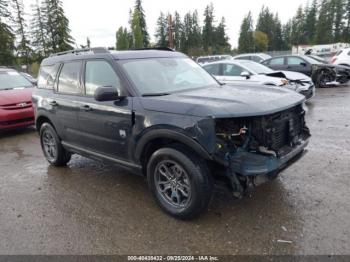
{"x":277,"y":63}
{"x":105,"y":127}
{"x":65,"y":101}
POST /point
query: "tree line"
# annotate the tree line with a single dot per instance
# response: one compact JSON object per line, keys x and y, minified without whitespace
{"x":318,"y":22}
{"x":26,"y":41}
{"x":188,"y":36}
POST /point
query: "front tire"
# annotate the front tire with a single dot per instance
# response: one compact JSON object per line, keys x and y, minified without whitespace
{"x":180,"y":182}
{"x":52,"y":148}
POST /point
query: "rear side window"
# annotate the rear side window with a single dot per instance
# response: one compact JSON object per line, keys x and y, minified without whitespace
{"x":277,"y":61}
{"x":232,"y":70}
{"x":213,"y":69}
{"x":295,"y":61}
{"x":100,"y":73}
{"x":256,"y":59}
{"x":68,"y":81}
{"x":47,"y":76}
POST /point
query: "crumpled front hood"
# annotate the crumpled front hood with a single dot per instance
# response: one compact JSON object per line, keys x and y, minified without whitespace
{"x":226,"y":101}
{"x":15,"y":96}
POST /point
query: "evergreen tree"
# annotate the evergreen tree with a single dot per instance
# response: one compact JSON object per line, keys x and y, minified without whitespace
{"x":208,"y":28}
{"x":246,"y":39}
{"x":191,"y":38}
{"x":23,"y":49}
{"x":298,"y":33}
{"x":221,"y":39}
{"x":310,"y":22}
{"x":143,"y":26}
{"x":38,"y":33}
{"x":162,"y":31}
{"x":266,"y":24}
{"x":324,"y":29}
{"x":177,"y":25}
{"x":277,"y":41}
{"x":338,"y":7}
{"x":286,"y":35}
{"x":346,"y":30}
{"x":7,"y":42}
{"x":122,"y":39}
{"x":7,"y":37}
{"x":57,"y":26}
{"x":138,"y":39}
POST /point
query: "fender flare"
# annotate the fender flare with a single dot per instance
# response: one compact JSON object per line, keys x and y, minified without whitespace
{"x":173,"y":135}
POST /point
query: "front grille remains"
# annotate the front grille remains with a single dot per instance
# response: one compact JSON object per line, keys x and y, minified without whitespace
{"x":274,"y":132}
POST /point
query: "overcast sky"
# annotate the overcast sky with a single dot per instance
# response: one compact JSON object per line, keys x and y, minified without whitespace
{"x":100,"y":19}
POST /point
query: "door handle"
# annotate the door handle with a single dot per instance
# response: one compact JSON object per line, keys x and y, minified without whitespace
{"x":86,"y":108}
{"x":53,"y":103}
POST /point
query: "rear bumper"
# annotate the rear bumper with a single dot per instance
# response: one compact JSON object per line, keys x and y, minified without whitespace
{"x":253,"y":164}
{"x":10,"y":119}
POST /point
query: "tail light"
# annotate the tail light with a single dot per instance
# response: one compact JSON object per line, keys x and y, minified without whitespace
{"x":334,"y":59}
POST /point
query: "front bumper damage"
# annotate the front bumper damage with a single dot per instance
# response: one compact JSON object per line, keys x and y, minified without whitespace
{"x":264,"y":147}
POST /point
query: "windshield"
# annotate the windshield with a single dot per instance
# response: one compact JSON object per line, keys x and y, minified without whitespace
{"x":12,"y":79}
{"x":256,"y":68}
{"x":166,"y":75}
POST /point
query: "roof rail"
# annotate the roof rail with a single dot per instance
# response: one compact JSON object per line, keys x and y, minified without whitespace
{"x":95,"y":50}
{"x":155,"y":48}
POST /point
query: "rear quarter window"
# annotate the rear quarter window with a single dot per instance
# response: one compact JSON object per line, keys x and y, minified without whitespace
{"x":47,"y":76}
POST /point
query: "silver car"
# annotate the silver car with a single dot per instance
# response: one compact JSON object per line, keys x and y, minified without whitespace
{"x":249,"y":72}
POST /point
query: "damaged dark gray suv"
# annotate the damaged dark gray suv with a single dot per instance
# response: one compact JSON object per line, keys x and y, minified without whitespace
{"x":159,"y":114}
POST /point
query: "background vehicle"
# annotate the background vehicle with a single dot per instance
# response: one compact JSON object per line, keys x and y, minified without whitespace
{"x":256,"y":57}
{"x":15,"y":100}
{"x":247,"y":72}
{"x":342,"y":58}
{"x":159,"y":114}
{"x":207,"y":59}
{"x":322,"y":74}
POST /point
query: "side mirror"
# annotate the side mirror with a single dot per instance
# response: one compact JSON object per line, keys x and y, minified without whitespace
{"x":106,"y":93}
{"x":245,"y":74}
{"x":303,"y":64}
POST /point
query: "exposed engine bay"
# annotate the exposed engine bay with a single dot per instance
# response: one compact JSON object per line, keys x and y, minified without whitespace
{"x":271,"y":134}
{"x":256,"y":147}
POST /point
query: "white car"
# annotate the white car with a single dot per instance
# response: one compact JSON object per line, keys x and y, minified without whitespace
{"x":249,"y":72}
{"x":342,"y":57}
{"x":212,"y":58}
{"x":256,"y":57}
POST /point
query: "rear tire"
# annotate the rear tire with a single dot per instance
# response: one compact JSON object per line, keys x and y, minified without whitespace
{"x":180,"y":181}
{"x":51,"y":145}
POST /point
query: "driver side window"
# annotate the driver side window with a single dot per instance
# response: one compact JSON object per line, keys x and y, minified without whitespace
{"x":232,"y":70}
{"x":100,"y":73}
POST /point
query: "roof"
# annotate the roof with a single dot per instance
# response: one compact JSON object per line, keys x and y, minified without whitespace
{"x":117,"y":55}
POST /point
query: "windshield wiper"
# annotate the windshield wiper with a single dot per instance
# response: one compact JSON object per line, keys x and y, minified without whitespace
{"x":155,"y":94}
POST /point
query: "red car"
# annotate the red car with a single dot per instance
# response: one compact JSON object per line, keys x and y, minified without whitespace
{"x":15,"y":100}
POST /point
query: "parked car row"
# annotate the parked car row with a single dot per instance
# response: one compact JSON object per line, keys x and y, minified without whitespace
{"x":245,"y":72}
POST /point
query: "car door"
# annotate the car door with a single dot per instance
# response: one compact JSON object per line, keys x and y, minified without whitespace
{"x":105,"y":126}
{"x":277,"y":63}
{"x":64,"y":101}
{"x":297,"y":64}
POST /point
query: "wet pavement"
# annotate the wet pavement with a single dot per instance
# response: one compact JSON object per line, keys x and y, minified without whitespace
{"x":91,"y":208}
